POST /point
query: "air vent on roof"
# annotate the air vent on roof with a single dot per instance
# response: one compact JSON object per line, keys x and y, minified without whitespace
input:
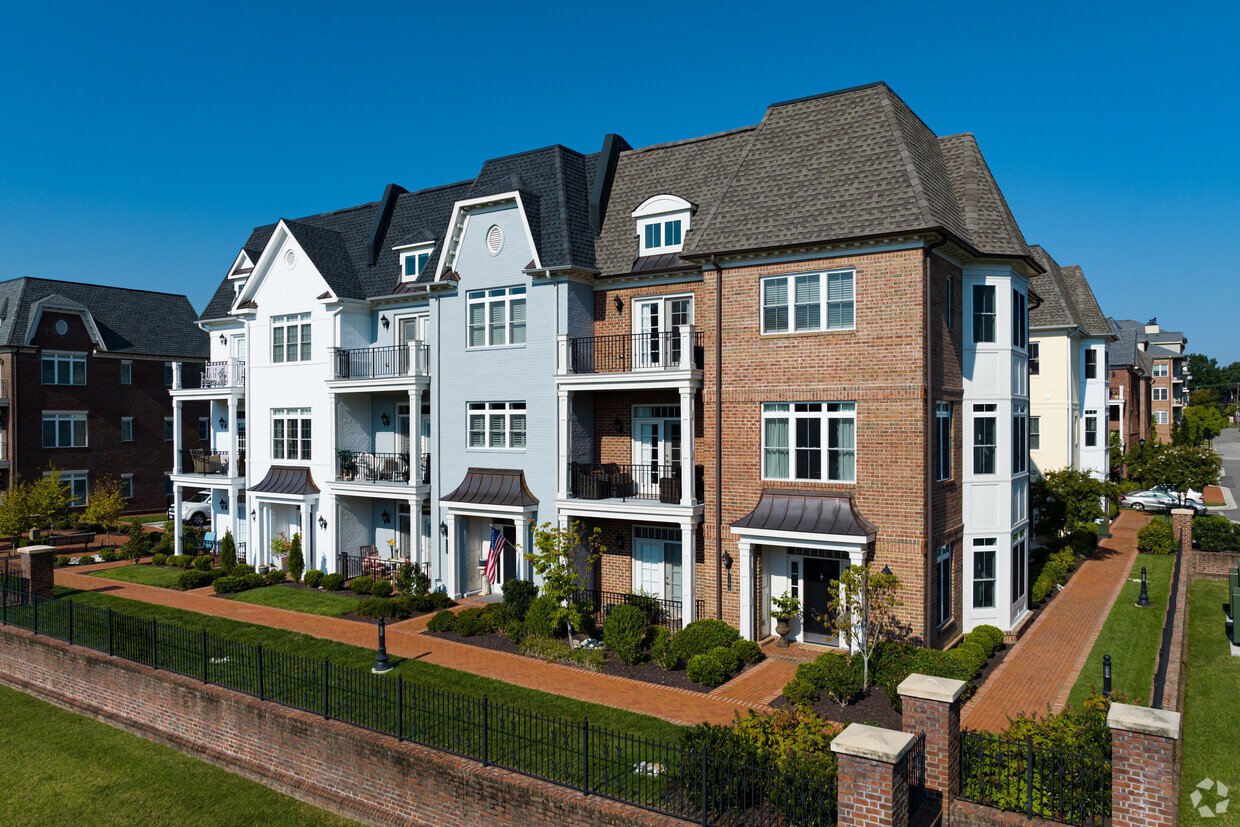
{"x":290,"y":258}
{"x":495,"y":239}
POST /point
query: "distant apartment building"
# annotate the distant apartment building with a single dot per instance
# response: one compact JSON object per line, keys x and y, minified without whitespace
{"x":1131,"y":388}
{"x":84,"y":377}
{"x":1168,"y":351}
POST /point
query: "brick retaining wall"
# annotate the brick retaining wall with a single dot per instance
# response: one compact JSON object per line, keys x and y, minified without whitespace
{"x":1211,"y":565}
{"x":358,"y":774}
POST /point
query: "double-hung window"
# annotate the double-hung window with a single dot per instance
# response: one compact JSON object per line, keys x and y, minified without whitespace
{"x":943,"y":440}
{"x":204,"y":429}
{"x":1035,"y":364}
{"x":1020,"y":320}
{"x":1161,"y":395}
{"x":290,"y":433}
{"x":64,"y":368}
{"x":127,"y":486}
{"x":414,"y":261}
{"x":1091,"y":364}
{"x":497,"y":425}
{"x":1020,"y":561}
{"x":984,"y":572}
{"x":985,"y":438}
{"x":1160,"y":368}
{"x":290,"y":338}
{"x":1160,"y":417}
{"x":497,"y":317}
{"x":126,"y":429}
{"x":1091,"y":429}
{"x":126,"y":372}
{"x":814,"y":301}
{"x":793,"y":444}
{"x":983,"y":313}
{"x":1035,"y":433}
{"x":943,"y":584}
{"x":64,"y":429}
{"x":76,"y":483}
{"x":1020,"y":443}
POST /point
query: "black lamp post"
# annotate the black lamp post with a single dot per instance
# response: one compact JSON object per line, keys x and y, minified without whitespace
{"x":382,"y":664}
{"x":1106,"y":676}
{"x":1144,"y":599}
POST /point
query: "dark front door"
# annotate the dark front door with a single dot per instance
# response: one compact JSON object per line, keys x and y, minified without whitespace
{"x":816,"y":614}
{"x":508,"y":559}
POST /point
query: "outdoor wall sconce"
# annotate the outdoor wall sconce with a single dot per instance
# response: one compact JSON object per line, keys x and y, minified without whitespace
{"x":223,"y":423}
{"x":619,"y":425}
{"x":727,"y":561}
{"x":620,"y":544}
{"x":385,"y":419}
{"x":383,"y":320}
{"x":443,"y":529}
{"x":387,"y":518}
{"x":322,"y":521}
{"x":223,"y":504}
{"x":619,"y":303}
{"x":887,"y":570}
{"x":223,"y":340}
{"x":253,"y":514}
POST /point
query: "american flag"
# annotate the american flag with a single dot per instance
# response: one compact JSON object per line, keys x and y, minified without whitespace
{"x":497,"y":545}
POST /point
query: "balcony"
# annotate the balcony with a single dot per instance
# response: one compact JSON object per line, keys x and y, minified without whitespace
{"x":622,"y":483}
{"x":1117,"y":394}
{"x":366,"y":466}
{"x":230,"y":374}
{"x":396,"y":362}
{"x":658,"y":359}
{"x":200,"y":462}
{"x":212,"y":380}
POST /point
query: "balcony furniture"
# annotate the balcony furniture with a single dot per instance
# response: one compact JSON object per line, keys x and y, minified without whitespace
{"x":669,"y":489}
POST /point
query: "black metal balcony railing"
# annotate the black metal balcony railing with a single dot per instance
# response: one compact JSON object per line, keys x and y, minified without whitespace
{"x":609,"y":480}
{"x":219,"y":375}
{"x":199,"y":461}
{"x":381,"y":362}
{"x":629,"y":352}
{"x":365,"y":466}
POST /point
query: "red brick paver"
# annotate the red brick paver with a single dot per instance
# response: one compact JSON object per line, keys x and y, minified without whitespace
{"x":679,"y":706}
{"x":1044,"y":664}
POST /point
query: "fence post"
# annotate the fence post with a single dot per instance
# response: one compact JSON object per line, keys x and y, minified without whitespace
{"x":486,"y":731}
{"x":34,"y":602}
{"x":705,"y":821}
{"x":1029,"y":776}
{"x":400,"y":709}
{"x":325,"y":680}
{"x":585,"y":756}
{"x":1143,"y":778}
{"x":154,"y":645}
{"x":110,"y":650}
{"x":204,"y":656}
{"x":262,"y":680}
{"x":70,"y":622}
{"x":4,"y":596}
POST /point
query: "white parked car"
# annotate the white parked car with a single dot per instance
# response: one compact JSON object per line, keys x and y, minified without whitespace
{"x":195,"y":510}
{"x":1192,"y":494}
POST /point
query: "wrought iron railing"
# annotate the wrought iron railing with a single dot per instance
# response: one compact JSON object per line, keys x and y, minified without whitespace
{"x":367,"y":466}
{"x":199,"y":461}
{"x":666,"y":613}
{"x":358,"y":565}
{"x":230,"y":374}
{"x":636,"y":351}
{"x":610,"y":480}
{"x":1021,"y":777}
{"x":915,"y":769}
{"x":390,"y":362}
{"x":661,"y":777}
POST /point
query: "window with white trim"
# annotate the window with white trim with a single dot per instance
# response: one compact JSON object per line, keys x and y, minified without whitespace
{"x":127,"y":486}
{"x":497,"y":425}
{"x":76,"y":482}
{"x":1091,"y":429}
{"x":1035,"y":433}
{"x":169,"y":428}
{"x":1035,"y":364}
{"x":793,"y":445}
{"x":1020,"y":562}
{"x":290,"y":433}
{"x":943,"y":584}
{"x":808,"y":302}
{"x":984,"y":572}
{"x":168,"y":373}
{"x":1091,"y":363}
{"x":64,"y":429}
{"x":496,"y":317}
{"x":290,"y":338}
{"x":414,"y":261}
{"x":126,"y":372}
{"x":943,"y":440}
{"x":662,"y":235}
{"x":1020,"y":439}
{"x":1161,"y":394}
{"x":1160,"y":418}
{"x":204,"y":429}
{"x":1020,"y":320}
{"x":983,"y":313}
{"x":985,"y":438}
{"x":126,"y":429}
{"x":64,"y":368}
{"x":1160,"y":369}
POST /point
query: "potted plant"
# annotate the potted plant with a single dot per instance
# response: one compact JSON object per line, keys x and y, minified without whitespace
{"x":280,"y":548}
{"x":786,"y":607}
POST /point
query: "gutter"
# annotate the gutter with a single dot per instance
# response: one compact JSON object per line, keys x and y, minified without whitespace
{"x":928,"y":414}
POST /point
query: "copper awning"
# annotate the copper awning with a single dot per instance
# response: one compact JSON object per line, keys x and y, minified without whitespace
{"x":808,"y":512}
{"x":492,"y":486}
{"x":284,"y":479}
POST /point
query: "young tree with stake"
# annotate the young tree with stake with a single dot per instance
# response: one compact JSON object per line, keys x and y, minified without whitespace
{"x":863,"y":604}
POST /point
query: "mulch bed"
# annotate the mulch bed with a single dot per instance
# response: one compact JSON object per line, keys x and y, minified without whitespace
{"x":612,"y":665}
{"x":873,"y":708}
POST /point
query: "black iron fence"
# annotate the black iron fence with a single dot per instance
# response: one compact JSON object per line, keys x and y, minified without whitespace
{"x":655,"y":776}
{"x":367,"y":466}
{"x":628,"y":352}
{"x":358,"y":565}
{"x":201,"y":461}
{"x":1021,"y":777}
{"x":381,"y":362}
{"x":666,"y":613}
{"x":916,"y":773}
{"x":610,"y":480}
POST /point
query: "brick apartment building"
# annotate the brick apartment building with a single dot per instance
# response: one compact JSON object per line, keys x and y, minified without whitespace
{"x":84,"y":377}
{"x":1168,"y":351}
{"x":1131,"y":388}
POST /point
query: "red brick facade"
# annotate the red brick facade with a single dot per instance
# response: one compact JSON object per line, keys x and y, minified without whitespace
{"x":1130,"y":412}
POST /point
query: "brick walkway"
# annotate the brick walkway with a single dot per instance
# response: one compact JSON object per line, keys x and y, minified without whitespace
{"x":679,"y":706}
{"x":1044,"y":664}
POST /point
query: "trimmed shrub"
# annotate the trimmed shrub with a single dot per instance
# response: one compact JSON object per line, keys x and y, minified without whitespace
{"x":313,"y":578}
{"x":202,"y":562}
{"x":226,"y":585}
{"x":241,"y":570}
{"x":253,"y":580}
{"x":700,"y":636}
{"x":381,"y":588}
{"x":376,"y":607}
{"x":1156,"y":537}
{"x":107,"y":555}
{"x":228,"y":552}
{"x":1085,"y":540}
{"x":813,"y":673}
{"x":841,"y":680}
{"x":747,"y":650}
{"x":181,"y":561}
{"x":362,"y":585}
{"x":275,"y":576}
{"x":661,"y":649}
{"x":515,"y":631}
{"x":542,"y":618}
{"x":1041,"y":589}
{"x":705,"y":670}
{"x":333,"y":582}
{"x":972,"y":656}
{"x":159,"y":560}
{"x":444,"y":621}
{"x":1064,"y":560}
{"x":62,"y":560}
{"x":726,"y":657}
{"x":801,"y":692}
{"x":441,"y":600}
{"x":193,"y":579}
{"x":518,"y":595}
{"x":498,"y":615}
{"x":993,"y":636}
{"x":473,"y":622}
{"x":296,"y":563}
{"x":1216,"y":533}
{"x":625,"y":632}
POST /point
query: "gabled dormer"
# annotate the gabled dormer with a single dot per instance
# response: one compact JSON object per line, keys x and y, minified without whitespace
{"x":241,"y":269}
{"x":662,"y":222}
{"x":414,"y":259}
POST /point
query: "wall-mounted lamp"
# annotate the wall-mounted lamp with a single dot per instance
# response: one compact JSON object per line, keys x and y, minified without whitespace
{"x":443,"y":529}
{"x":887,"y":570}
{"x":223,"y":423}
{"x":223,"y":504}
{"x":223,"y":339}
{"x":383,"y":320}
{"x":387,"y":518}
{"x":385,"y":419}
{"x":253,"y":514}
{"x":620,"y":544}
{"x":619,"y":425}
{"x":322,"y":521}
{"x":619,"y":303}
{"x":727,"y":561}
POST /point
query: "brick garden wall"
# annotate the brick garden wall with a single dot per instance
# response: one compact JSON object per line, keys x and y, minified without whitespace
{"x":968,"y":814}
{"x":359,"y":774}
{"x":1210,"y":565}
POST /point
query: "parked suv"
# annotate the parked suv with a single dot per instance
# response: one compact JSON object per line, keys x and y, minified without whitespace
{"x":195,"y":510}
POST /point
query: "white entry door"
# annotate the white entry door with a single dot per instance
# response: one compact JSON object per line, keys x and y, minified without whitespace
{"x":656,"y":445}
{"x":650,"y":567}
{"x":658,"y":323}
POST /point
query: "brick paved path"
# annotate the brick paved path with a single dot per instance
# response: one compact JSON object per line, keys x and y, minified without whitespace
{"x":679,"y":706}
{"x":1044,"y":664}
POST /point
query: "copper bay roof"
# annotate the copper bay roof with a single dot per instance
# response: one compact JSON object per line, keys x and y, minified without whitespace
{"x":807,"y":512}
{"x":492,"y":486}
{"x":285,"y":479}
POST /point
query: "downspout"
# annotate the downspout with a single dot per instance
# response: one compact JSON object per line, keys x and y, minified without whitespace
{"x":929,"y":475}
{"x":718,"y":437}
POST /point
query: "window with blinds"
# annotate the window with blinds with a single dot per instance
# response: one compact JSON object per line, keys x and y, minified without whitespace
{"x":496,"y":317}
{"x":814,"y":301}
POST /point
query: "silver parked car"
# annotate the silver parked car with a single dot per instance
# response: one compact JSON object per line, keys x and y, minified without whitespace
{"x":1153,"y":499}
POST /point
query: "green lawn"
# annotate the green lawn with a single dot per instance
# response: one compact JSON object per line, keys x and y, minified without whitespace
{"x":1131,"y":636}
{"x":63,"y":768}
{"x":426,"y":674}
{"x":163,"y":576}
{"x":1211,"y":714}
{"x":299,"y":600}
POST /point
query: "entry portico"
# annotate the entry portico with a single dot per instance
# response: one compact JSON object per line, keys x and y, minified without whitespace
{"x":285,"y":502}
{"x":487,"y":498}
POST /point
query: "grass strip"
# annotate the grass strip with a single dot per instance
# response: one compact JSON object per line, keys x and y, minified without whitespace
{"x":165,"y":577}
{"x":299,"y":600}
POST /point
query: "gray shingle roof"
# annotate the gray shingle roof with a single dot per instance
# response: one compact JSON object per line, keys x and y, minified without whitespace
{"x":1152,"y":339}
{"x":1093,"y":321}
{"x":129,"y":321}
{"x":1067,"y":299}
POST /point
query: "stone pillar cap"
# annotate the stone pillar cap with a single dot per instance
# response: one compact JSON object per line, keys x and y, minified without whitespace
{"x":926,"y":687}
{"x":874,"y":743}
{"x":1158,"y":722}
{"x":1186,"y":512}
{"x":37,"y":550}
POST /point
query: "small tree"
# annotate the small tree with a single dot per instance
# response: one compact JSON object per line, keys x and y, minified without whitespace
{"x":228,"y":552}
{"x":296,"y":563}
{"x":1067,"y":499}
{"x":1185,"y":467}
{"x":50,"y":498}
{"x":559,"y":555}
{"x":105,"y":505}
{"x":16,"y":514}
{"x":863,"y":604}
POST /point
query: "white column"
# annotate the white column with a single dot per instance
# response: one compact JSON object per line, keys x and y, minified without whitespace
{"x":307,"y":530}
{"x":415,"y":529}
{"x":234,"y":450}
{"x":687,"y":479}
{"x":448,"y":570}
{"x":177,"y":374}
{"x":565,"y":407}
{"x":415,"y":441}
{"x":745,"y":552}
{"x":688,"y":574}
{"x":561,"y":343}
{"x":178,"y":525}
{"x":176,"y":436}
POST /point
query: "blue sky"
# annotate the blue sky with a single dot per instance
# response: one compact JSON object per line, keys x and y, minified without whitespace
{"x":140,"y":144}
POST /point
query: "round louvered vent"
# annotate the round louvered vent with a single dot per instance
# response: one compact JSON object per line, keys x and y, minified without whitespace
{"x":495,"y":239}
{"x":290,"y":258}
{"x":62,"y":327}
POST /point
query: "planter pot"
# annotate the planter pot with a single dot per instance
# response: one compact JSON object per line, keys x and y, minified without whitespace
{"x":782,"y":625}
{"x":263,"y":569}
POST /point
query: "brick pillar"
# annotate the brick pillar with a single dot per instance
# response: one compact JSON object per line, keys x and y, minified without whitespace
{"x":37,"y":567}
{"x":1182,"y":527}
{"x":932,"y":705}
{"x":1143,"y":778}
{"x":873,"y":776}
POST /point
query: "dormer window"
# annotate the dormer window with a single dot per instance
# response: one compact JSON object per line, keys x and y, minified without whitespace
{"x":414,"y":260}
{"x":662,"y":222}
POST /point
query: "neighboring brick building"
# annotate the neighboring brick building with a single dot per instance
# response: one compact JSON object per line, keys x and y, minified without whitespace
{"x":85,"y":371}
{"x":1131,"y":387}
{"x":1168,"y":350}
